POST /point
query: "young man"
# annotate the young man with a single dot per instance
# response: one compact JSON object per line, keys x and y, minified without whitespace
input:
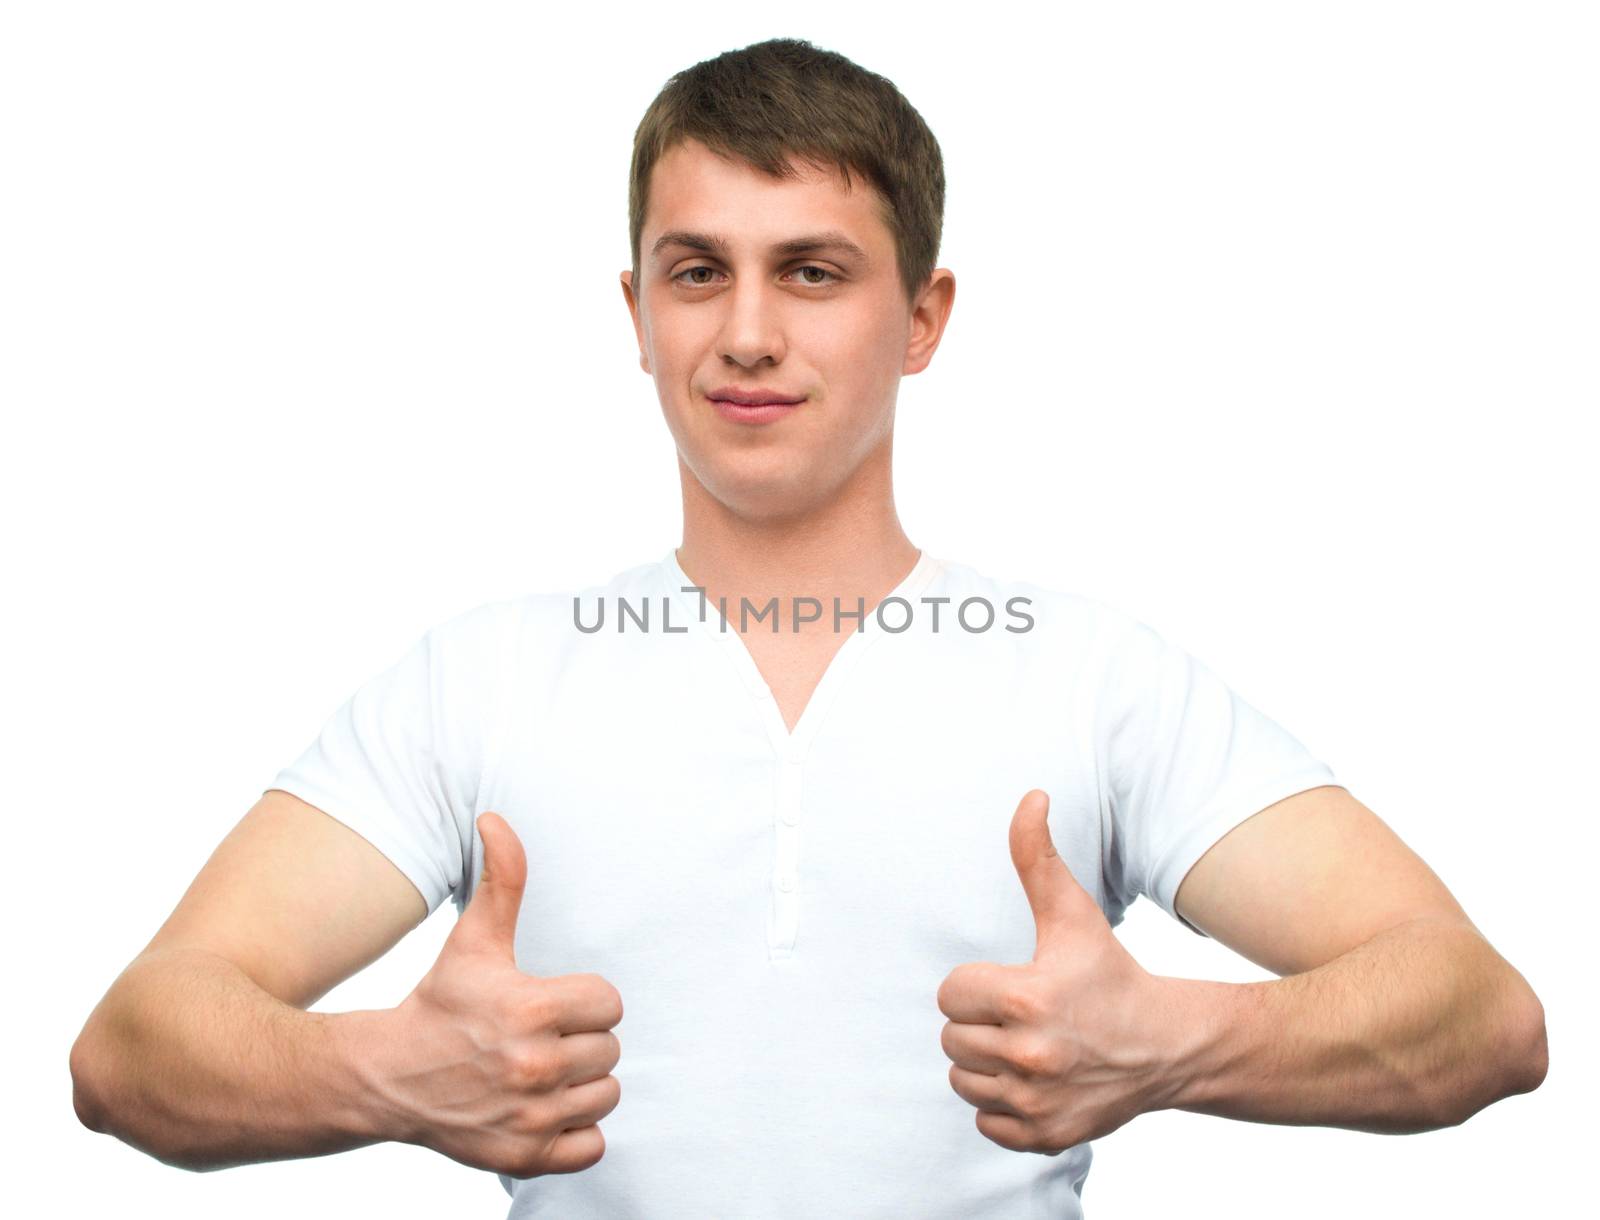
{"x":846,"y":827}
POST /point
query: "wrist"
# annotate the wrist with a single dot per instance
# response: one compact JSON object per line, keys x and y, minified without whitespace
{"x":1203,"y":1020}
{"x":363,"y":1042}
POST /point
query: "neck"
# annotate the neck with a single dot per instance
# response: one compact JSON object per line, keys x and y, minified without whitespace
{"x":849,"y":546}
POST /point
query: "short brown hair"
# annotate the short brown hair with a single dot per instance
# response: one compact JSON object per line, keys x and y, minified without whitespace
{"x":786,"y":98}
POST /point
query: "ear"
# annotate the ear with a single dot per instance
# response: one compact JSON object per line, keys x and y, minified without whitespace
{"x":632,"y":299}
{"x":928,"y":318}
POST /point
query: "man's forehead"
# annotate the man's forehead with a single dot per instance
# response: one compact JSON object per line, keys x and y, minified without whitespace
{"x":705,"y":203}
{"x":836,"y":243}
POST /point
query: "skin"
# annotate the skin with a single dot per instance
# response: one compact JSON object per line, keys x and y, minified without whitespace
{"x":1082,"y":1039}
{"x":1394,"y":1014}
{"x":1402,"y":1018}
{"x":1064,"y":1048}
{"x":802,"y":506}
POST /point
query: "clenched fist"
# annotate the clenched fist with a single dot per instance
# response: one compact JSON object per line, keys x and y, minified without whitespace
{"x":495,"y":1068}
{"x":1070,"y":1046}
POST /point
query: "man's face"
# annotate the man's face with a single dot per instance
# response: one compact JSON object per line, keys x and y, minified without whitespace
{"x":829,"y":328}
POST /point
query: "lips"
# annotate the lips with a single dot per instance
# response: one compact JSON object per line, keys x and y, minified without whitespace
{"x":753,"y":413}
{"x":753,"y":398}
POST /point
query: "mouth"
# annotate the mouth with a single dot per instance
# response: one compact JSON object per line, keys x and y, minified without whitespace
{"x":752,"y":408}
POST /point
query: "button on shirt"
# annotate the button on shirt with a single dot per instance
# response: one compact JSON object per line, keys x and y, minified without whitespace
{"x":778,"y":909}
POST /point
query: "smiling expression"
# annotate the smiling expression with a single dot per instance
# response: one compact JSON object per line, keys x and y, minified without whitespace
{"x":758,"y":287}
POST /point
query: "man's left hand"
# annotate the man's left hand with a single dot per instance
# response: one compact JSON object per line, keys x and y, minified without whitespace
{"x":1072,"y":1045}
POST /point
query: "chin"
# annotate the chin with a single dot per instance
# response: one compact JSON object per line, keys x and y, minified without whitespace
{"x":758,"y":491}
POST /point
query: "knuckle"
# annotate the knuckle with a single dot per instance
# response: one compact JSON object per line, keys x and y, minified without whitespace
{"x":1029,"y":1104}
{"x":543,"y":1120}
{"x":1017,"y":1004}
{"x":524,"y":1156}
{"x":612,"y":1000}
{"x":535,"y":1006}
{"x":529,"y":1068}
{"x":965,"y":977}
{"x":1065,"y":1138}
{"x":1034,"y":1057}
{"x":528,"y":1165}
{"x":964,"y":1091}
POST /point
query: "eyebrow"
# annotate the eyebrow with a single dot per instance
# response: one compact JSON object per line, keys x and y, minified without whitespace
{"x":829,"y":242}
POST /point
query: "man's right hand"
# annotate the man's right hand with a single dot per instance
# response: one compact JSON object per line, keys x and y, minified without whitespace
{"x":495,"y":1068}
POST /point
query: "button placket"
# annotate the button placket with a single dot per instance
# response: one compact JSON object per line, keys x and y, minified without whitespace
{"x":789,"y":792}
{"x":786,"y":866}
{"x":790,"y":746}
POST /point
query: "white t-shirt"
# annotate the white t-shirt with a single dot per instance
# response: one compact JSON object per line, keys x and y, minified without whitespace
{"x":777,"y":911}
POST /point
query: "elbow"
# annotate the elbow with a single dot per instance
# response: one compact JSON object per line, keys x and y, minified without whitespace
{"x":1522,"y":1059}
{"x":85,"y":1100}
{"x":1524,"y":1055}
{"x":94,"y":1111}
{"x":1535,"y":1057}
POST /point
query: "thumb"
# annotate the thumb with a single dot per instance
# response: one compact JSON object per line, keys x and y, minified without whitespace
{"x":1060,"y":905}
{"x":490,"y":921}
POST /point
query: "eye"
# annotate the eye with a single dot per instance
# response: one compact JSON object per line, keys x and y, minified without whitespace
{"x":815,"y":283}
{"x":694,"y":283}
{"x":814,"y":267}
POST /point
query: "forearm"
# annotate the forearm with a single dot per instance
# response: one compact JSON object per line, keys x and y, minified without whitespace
{"x":1419,"y":1028}
{"x":189,"y":1060}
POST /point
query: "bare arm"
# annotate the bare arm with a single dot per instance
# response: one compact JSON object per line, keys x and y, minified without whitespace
{"x":201,"y":1053}
{"x":1419,"y":1028}
{"x":1396,"y":1013}
{"x":189,"y":1060}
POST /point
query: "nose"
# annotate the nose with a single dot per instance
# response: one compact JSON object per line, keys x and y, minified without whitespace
{"x":752,"y":327}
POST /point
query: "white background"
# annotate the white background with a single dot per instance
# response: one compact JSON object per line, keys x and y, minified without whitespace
{"x":1275,"y":326}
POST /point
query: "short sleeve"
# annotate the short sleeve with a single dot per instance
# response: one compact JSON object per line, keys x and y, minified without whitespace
{"x":1186,"y":759}
{"x":401,"y":761}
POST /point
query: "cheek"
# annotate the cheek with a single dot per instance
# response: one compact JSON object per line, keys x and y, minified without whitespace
{"x":666,"y":339}
{"x":863,"y":374}
{"x":672,"y":331}
{"x":859,"y":350}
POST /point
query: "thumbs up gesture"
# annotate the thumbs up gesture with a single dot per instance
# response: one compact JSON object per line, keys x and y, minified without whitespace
{"x":1070,"y":1046}
{"x":495,"y":1068}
